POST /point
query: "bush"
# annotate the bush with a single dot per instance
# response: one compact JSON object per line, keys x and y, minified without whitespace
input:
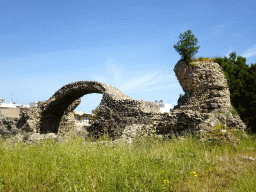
{"x":95,"y":115}
{"x":9,"y":125}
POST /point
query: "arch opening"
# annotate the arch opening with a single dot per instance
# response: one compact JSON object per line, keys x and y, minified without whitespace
{"x":62,"y":107}
{"x":84,"y":111}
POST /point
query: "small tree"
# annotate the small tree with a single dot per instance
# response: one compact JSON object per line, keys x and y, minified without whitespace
{"x":186,"y":46}
{"x":95,"y":115}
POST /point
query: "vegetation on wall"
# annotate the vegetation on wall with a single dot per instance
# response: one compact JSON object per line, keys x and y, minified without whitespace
{"x":186,"y":46}
{"x":95,"y":115}
{"x":241,"y":78}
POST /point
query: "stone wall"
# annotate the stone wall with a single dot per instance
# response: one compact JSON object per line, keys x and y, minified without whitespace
{"x":4,"y":112}
{"x":56,"y":114}
{"x":206,"y":104}
{"x":116,"y":115}
{"x":205,"y":86}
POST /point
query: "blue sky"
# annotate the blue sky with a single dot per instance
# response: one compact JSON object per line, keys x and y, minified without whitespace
{"x":128,"y":44}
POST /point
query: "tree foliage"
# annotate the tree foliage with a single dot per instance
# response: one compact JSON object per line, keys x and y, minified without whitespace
{"x":186,"y":46}
{"x":95,"y":114}
{"x":241,"y":80}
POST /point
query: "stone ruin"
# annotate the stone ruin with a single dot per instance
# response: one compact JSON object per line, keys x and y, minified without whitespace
{"x":206,"y":103}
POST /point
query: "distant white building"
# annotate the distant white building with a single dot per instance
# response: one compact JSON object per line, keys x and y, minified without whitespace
{"x":18,"y":105}
{"x":163,"y":107}
{"x":33,"y":104}
{"x":25,"y":106}
{"x":11,"y":105}
{"x":82,"y":118}
{"x":8,"y":109}
{"x":6,"y":105}
{"x":13,"y":109}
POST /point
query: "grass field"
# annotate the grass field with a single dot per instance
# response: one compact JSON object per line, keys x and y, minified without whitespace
{"x":147,"y":164}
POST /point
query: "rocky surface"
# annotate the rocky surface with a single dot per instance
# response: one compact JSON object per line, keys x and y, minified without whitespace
{"x":56,"y":114}
{"x":205,"y":86}
{"x":205,"y":105}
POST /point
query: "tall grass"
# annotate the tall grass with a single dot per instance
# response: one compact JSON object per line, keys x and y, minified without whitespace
{"x":147,"y":164}
{"x":194,"y":59}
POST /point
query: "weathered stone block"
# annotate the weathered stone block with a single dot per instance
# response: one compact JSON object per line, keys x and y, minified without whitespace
{"x":29,"y":127}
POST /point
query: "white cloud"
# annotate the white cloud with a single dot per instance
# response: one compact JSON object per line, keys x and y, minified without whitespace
{"x":155,"y":88}
{"x":99,"y":78}
{"x":138,"y":82}
{"x":159,"y":79}
{"x":114,"y":70}
{"x":227,"y":54}
{"x":250,"y":52}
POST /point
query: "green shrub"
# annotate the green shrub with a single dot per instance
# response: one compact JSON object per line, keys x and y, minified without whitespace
{"x":9,"y":125}
{"x":192,"y":64}
{"x":95,"y":115}
{"x":234,"y":112}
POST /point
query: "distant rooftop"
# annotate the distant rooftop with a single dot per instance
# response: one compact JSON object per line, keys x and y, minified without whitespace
{"x":10,"y":105}
{"x":81,"y":112}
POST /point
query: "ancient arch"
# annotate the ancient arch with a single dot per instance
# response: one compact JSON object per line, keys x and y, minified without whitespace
{"x":206,"y":104}
{"x":116,"y":110}
{"x":57,"y":109}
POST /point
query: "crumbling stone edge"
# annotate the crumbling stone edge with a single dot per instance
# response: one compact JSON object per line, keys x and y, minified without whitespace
{"x":217,"y":134}
{"x":206,"y":91}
